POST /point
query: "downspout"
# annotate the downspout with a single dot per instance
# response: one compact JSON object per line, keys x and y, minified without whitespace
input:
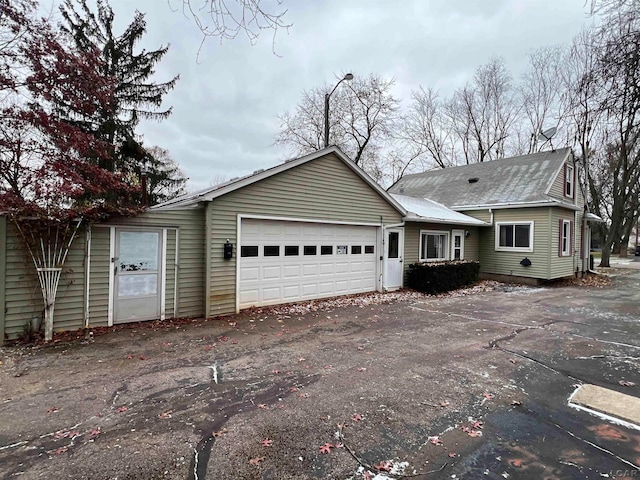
{"x":491,"y":216}
{"x":87,"y":275}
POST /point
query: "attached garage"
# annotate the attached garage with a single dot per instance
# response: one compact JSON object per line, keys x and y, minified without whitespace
{"x":288,"y":261}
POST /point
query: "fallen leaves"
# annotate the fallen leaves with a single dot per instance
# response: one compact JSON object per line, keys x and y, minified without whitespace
{"x":626,"y":383}
{"x":473,"y":429}
{"x":435,"y":440}
{"x":326,"y":448}
{"x":356,"y":417}
{"x":384,"y":466}
{"x":122,"y":409}
{"x":267,"y":442}
{"x":52,"y":409}
{"x":59,"y":451}
{"x":219,"y":433}
{"x":488,"y":396}
{"x":66,"y":434}
{"x":94,"y":432}
{"x":256,"y":460}
{"x":165,"y":415}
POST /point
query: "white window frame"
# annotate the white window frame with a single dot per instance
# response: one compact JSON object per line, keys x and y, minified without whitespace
{"x":445,"y":249}
{"x":513,"y":249}
{"x":566,"y":239}
{"x":569,"y":180}
{"x":461,"y":234}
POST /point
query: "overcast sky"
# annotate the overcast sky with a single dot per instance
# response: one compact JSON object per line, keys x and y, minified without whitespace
{"x":227,"y":102}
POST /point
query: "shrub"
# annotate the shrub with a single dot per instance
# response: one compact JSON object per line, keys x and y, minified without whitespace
{"x":441,"y":277}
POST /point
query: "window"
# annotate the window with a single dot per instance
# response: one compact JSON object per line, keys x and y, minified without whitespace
{"x":326,"y":250}
{"x":433,"y":246}
{"x":310,"y":250}
{"x":291,"y":250}
{"x":369,"y":249}
{"x":564,"y":249}
{"x":271,"y":250}
{"x":341,"y":250}
{"x":569,"y":179}
{"x":356,"y":249}
{"x":514,"y":237}
{"x":249,"y":251}
{"x":394,"y":245}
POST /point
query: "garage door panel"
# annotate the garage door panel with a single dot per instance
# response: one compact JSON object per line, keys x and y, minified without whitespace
{"x":271,"y":272}
{"x":304,"y":273}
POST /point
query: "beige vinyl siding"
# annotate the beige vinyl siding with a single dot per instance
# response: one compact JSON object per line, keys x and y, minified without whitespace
{"x":561,"y":266}
{"x":99,"y":276}
{"x":412,"y":241}
{"x":508,"y":263}
{"x":322,"y":189}
{"x":557,"y":186}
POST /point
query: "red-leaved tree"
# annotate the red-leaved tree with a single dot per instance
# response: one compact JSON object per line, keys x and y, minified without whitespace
{"x":56,"y":175}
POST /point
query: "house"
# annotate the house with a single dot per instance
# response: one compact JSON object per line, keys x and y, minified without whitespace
{"x":313,"y":227}
{"x":532,"y":207}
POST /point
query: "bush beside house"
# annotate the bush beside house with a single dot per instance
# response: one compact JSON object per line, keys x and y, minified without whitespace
{"x":441,"y":277}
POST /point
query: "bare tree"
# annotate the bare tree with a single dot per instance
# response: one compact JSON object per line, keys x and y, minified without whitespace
{"x":484,"y":113}
{"x":539,"y":93}
{"x":226,"y":19}
{"x":362,"y":119}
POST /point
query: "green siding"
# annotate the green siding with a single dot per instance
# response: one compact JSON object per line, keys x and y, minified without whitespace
{"x":484,"y":215}
{"x":412,"y":241}
{"x":3,"y":269}
{"x":562,"y":266}
{"x":508,"y":263}
{"x":99,"y":276}
{"x":323,"y":189}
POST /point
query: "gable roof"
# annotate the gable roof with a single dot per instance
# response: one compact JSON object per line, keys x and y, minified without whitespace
{"x":425,"y":210}
{"x":208,"y":194}
{"x":505,"y":183}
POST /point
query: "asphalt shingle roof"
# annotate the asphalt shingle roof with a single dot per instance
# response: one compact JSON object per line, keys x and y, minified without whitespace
{"x":522,"y":179}
{"x":423,"y":209}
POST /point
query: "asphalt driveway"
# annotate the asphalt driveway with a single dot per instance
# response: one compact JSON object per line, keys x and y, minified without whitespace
{"x":460,"y":386}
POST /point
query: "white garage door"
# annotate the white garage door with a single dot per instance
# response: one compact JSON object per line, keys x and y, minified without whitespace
{"x":284,"y":262}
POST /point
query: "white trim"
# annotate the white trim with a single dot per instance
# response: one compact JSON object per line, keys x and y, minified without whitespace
{"x":238,"y":245}
{"x":438,"y":221}
{"x":215,"y":192}
{"x":446,"y":245}
{"x":385,"y":230}
{"x":176,"y":269}
{"x":504,"y":206}
{"x":553,"y":179}
{"x":307,"y":220}
{"x":112,"y":260}
{"x":567,"y":252}
{"x":87,"y":277}
{"x":163,"y":273}
{"x":460,"y":233}
{"x":498,"y":248}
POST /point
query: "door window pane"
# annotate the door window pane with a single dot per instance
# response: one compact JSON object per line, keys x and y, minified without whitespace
{"x":369,"y":249}
{"x":135,"y":285}
{"x":138,"y":251}
{"x":271,"y":250}
{"x":394,"y":245}
{"x":291,"y":250}
{"x":356,"y":249}
{"x":326,"y":250}
{"x":310,"y":250}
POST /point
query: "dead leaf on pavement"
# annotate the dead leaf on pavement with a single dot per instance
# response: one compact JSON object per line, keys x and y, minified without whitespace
{"x":326,"y":448}
{"x":52,"y":409}
{"x":383,"y":466}
{"x":59,"y":451}
{"x":94,"y":432}
{"x":256,"y":460}
{"x":625,"y":383}
{"x":444,"y":404}
{"x":267,"y":443}
{"x":219,"y":433}
{"x":516,"y":402}
{"x":435,"y":440}
{"x":166,"y":414}
{"x":453,"y":455}
{"x":488,"y":396}
{"x":356,"y":417}
{"x":122,"y":409}
{"x":262,"y":406}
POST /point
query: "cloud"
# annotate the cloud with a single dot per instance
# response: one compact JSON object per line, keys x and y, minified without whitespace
{"x":227,"y":102}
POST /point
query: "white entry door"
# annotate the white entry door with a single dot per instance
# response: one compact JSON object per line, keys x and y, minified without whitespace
{"x":288,"y":261}
{"x":393,"y":258}
{"x":137,"y":275}
{"x":457,"y":245}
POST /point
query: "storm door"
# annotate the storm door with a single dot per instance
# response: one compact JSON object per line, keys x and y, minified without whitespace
{"x":137,"y":275}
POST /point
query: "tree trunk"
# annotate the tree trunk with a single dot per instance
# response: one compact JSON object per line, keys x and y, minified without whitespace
{"x":606,"y":255}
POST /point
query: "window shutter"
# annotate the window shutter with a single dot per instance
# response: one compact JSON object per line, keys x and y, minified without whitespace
{"x":560,"y":238}
{"x":571,"y":239}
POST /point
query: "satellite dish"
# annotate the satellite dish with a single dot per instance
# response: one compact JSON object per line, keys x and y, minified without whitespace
{"x":547,"y":134}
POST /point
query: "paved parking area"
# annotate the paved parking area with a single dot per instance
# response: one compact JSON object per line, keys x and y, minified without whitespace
{"x":464,"y":386}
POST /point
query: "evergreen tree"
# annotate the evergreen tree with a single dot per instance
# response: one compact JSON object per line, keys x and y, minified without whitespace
{"x":137,"y":96}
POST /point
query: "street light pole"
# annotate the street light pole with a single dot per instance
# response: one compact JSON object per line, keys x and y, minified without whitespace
{"x":348,"y":76}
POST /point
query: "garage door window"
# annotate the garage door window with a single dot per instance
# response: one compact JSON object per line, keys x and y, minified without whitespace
{"x":291,"y":250}
{"x":356,"y":249}
{"x":310,"y":250}
{"x":326,"y":250}
{"x":369,"y":249}
{"x":341,"y":250}
{"x":249,"y":251}
{"x":272,"y":250}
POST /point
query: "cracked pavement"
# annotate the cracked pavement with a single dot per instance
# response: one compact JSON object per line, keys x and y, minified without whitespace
{"x":466,"y":387}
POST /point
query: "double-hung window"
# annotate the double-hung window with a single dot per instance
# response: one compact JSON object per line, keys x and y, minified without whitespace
{"x":565,"y":234}
{"x":569,"y":181}
{"x":514,"y":237}
{"x":434,"y":246}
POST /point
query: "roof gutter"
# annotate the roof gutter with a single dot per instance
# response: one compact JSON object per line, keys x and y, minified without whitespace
{"x":480,"y":223}
{"x":497,"y":206}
